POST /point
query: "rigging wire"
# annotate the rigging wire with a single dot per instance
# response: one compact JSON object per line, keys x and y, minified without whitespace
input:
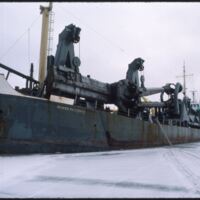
{"x":29,"y":46}
{"x":19,"y":38}
{"x":79,"y":49}
{"x":99,"y":34}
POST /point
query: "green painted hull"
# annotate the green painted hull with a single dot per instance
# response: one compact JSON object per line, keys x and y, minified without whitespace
{"x":34,"y":125}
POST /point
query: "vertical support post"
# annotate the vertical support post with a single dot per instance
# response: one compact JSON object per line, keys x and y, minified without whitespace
{"x":7,"y":75}
{"x":31,"y":75}
{"x":26,"y":83}
{"x":44,"y":41}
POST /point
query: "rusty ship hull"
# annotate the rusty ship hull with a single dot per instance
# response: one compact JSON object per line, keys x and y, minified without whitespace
{"x":36,"y":125}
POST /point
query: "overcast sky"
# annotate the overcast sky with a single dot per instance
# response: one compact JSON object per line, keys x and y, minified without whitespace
{"x":113,"y":34}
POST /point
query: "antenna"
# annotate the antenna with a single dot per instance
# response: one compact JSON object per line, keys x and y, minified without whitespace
{"x":193,"y":95}
{"x":184,"y":79}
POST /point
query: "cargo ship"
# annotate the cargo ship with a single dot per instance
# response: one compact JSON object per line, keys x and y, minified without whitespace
{"x":32,"y":122}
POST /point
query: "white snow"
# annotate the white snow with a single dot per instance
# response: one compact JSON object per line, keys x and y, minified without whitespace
{"x":6,"y":88}
{"x":154,"y":172}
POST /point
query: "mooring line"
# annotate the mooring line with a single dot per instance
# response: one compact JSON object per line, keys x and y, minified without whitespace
{"x":187,"y":172}
{"x":164,"y":133}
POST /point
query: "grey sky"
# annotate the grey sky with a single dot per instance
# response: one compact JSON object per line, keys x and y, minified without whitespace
{"x":112,"y":35}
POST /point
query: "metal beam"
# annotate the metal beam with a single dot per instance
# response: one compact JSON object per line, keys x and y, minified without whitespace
{"x":18,"y":73}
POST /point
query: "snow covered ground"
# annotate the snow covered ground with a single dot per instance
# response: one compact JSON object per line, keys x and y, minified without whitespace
{"x":156,"y":172}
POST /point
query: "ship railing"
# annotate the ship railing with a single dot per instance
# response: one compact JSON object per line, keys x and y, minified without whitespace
{"x":29,"y":79}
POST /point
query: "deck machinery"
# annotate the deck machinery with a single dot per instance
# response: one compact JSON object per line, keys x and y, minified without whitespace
{"x":46,"y":126}
{"x":64,"y":79}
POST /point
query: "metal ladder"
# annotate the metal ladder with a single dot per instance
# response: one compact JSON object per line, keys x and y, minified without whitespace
{"x":50,"y":33}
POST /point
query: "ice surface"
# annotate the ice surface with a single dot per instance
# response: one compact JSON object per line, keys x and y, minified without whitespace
{"x":154,"y":172}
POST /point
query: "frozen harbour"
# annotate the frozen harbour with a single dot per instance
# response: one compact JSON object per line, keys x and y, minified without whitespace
{"x":154,"y":172}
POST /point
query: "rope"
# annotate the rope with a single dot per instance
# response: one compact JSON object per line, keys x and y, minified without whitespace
{"x":79,"y":49}
{"x":164,"y":133}
{"x":194,"y":180}
{"x":29,"y":46}
{"x":19,"y":38}
{"x":99,"y":34}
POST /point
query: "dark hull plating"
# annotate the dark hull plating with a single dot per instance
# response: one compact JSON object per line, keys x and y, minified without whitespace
{"x":33,"y":125}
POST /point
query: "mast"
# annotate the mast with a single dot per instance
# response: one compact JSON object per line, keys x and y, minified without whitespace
{"x":184,"y":79}
{"x":44,"y":41}
{"x":184,"y":82}
{"x":193,"y":96}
